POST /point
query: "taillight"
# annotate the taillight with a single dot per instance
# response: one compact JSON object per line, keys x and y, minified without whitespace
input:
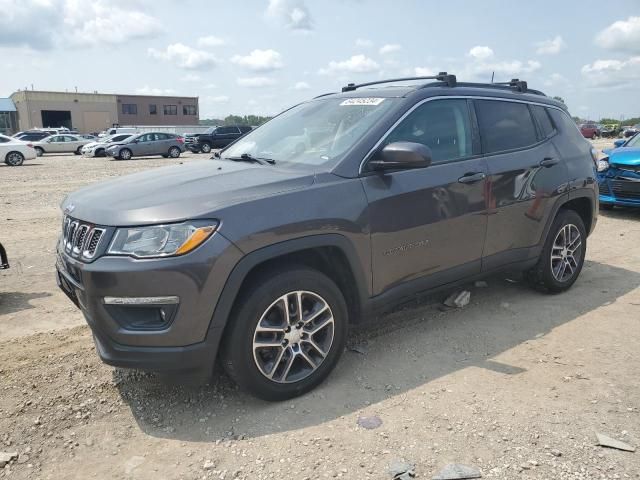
{"x":181,"y":139}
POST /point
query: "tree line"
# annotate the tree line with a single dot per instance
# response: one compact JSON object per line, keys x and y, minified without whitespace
{"x":251,"y":120}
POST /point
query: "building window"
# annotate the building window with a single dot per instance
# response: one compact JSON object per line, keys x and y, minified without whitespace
{"x":153,"y":109}
{"x":171,"y":110}
{"x":189,"y":110}
{"x":130,"y":108}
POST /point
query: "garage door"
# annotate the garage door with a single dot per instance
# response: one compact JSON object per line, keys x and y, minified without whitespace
{"x":96,"y":121}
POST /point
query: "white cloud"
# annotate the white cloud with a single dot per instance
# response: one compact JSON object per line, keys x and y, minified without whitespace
{"x":363,"y":43}
{"x":102,"y":21}
{"x":612,"y":73}
{"x":550,"y":47}
{"x":191,"y":77}
{"x":301,"y":86}
{"x":623,"y":35}
{"x":211,"y":86}
{"x":211,"y":41}
{"x":185,"y":57}
{"x":260,"y":60}
{"x":147,"y":90}
{"x":389,"y":48}
{"x":216,"y":99}
{"x":44,"y":24}
{"x":256,"y":82}
{"x":294,"y":14}
{"x":424,"y":72}
{"x":508,"y":68}
{"x":355,"y":64}
{"x":556,"y":80}
{"x":480,"y":52}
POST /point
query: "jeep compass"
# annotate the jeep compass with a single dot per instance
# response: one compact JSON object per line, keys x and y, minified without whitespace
{"x":335,"y":210}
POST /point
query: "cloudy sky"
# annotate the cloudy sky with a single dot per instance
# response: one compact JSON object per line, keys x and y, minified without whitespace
{"x":259,"y":56}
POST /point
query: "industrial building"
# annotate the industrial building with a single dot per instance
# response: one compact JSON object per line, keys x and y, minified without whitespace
{"x":94,"y":112}
{"x":8,"y":116}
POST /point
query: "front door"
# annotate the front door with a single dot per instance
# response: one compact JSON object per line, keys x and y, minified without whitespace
{"x":144,"y":145}
{"x":55,"y":144}
{"x":526,"y":175}
{"x":428,"y":225}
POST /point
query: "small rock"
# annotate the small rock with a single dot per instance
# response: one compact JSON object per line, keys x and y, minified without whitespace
{"x":556,"y":453}
{"x":361,"y":349}
{"x":455,"y":471}
{"x":605,"y":441}
{"x":369,"y":423}
{"x":480,"y":284}
{"x":6,"y":457}
{"x":401,"y":470}
{"x":208,"y":465}
{"x":458,"y":299}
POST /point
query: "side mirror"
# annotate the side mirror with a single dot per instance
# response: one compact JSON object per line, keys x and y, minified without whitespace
{"x":401,"y":156}
{"x":618,"y":143}
{"x":135,"y":140}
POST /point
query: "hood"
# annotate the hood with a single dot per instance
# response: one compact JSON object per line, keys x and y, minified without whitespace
{"x":172,"y":194}
{"x":94,"y":144}
{"x":625,"y":156}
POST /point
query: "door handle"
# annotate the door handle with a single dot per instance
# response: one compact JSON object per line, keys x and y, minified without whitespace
{"x":549,"y":162}
{"x":472,"y":177}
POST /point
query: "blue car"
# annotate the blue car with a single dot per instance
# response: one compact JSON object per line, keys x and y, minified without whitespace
{"x":619,"y":174}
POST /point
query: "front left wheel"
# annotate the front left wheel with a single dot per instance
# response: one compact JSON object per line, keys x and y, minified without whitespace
{"x":286,"y":333}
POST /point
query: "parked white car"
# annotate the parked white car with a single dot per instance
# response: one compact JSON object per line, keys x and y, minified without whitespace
{"x":14,"y":152}
{"x":97,"y":149}
{"x":60,"y":144}
{"x":116,"y":130}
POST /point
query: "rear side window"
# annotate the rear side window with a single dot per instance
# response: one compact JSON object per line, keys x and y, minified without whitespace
{"x":566,"y":125}
{"x":505,"y":125}
{"x":227,"y":130}
{"x":441,"y":125}
{"x":544,"y":121}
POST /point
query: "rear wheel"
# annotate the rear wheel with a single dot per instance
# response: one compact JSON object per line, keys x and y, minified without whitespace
{"x":563,"y":254}
{"x":205,"y":148}
{"x":14,"y":159}
{"x":174,"y":152}
{"x":125,"y":154}
{"x":286,"y":333}
{"x":594,"y":136}
{"x":39,"y":151}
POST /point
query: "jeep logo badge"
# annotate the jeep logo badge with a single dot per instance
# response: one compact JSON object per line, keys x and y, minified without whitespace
{"x":69,"y":208}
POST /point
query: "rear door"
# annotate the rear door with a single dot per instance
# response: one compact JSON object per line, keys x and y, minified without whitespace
{"x":55,"y":144}
{"x":526,"y":175}
{"x":72,"y":143}
{"x":225,"y":135}
{"x":428,"y":225}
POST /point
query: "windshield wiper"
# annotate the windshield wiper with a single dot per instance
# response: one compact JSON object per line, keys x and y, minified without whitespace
{"x":246,"y":157}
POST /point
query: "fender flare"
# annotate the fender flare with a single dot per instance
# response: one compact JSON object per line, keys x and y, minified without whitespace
{"x":248,"y":262}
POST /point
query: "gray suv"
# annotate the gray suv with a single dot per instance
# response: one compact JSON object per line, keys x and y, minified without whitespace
{"x":334,"y":211}
{"x":146,"y":144}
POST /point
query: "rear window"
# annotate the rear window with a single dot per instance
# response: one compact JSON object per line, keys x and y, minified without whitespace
{"x":544,"y":121}
{"x":505,"y":125}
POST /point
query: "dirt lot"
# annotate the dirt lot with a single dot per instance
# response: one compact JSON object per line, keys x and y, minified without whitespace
{"x":515,"y":384}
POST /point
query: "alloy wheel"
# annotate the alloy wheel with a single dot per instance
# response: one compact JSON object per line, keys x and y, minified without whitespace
{"x":293,"y":337}
{"x":15,"y":159}
{"x":206,"y":148}
{"x":566,"y":253}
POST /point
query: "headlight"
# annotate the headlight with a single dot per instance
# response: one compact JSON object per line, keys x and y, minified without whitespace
{"x":603,"y":164}
{"x":161,"y":240}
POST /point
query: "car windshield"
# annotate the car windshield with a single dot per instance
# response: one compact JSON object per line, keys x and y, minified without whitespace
{"x":210,"y":130}
{"x":314,"y":133}
{"x":106,"y":139}
{"x":634,"y":141}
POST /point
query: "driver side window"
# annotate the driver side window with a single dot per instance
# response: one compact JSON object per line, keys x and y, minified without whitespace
{"x":442,"y":125}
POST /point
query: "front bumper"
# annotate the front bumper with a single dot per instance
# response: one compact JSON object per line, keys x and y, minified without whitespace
{"x":619,"y":187}
{"x":137,"y":336}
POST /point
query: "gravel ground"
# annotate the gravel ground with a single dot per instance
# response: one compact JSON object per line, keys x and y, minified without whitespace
{"x":516,"y":384}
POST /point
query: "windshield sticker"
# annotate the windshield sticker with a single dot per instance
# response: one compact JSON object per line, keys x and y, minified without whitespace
{"x":362,"y":101}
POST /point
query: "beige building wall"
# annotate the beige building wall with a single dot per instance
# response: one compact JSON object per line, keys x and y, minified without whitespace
{"x":143,"y":108}
{"x":89,"y":111}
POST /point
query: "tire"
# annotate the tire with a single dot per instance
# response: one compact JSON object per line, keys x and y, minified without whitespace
{"x":39,"y":151}
{"x":549,"y":273}
{"x":78,"y":151}
{"x":205,"y":148}
{"x":174,"y":152}
{"x":295,"y":365}
{"x":125,"y":154}
{"x":100,"y":153}
{"x":607,"y":206}
{"x":14,"y":159}
{"x":594,"y":136}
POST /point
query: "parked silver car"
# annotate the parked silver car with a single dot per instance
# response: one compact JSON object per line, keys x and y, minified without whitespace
{"x":60,"y":144}
{"x":98,"y":149}
{"x":144,"y":144}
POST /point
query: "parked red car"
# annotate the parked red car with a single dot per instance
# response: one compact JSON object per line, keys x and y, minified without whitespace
{"x":590,"y":130}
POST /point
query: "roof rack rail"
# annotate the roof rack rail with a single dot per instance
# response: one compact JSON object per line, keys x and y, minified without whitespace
{"x":504,"y":86}
{"x":519,"y":85}
{"x":450,"y":80}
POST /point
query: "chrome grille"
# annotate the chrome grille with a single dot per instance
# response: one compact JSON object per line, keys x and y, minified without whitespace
{"x":80,"y":239}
